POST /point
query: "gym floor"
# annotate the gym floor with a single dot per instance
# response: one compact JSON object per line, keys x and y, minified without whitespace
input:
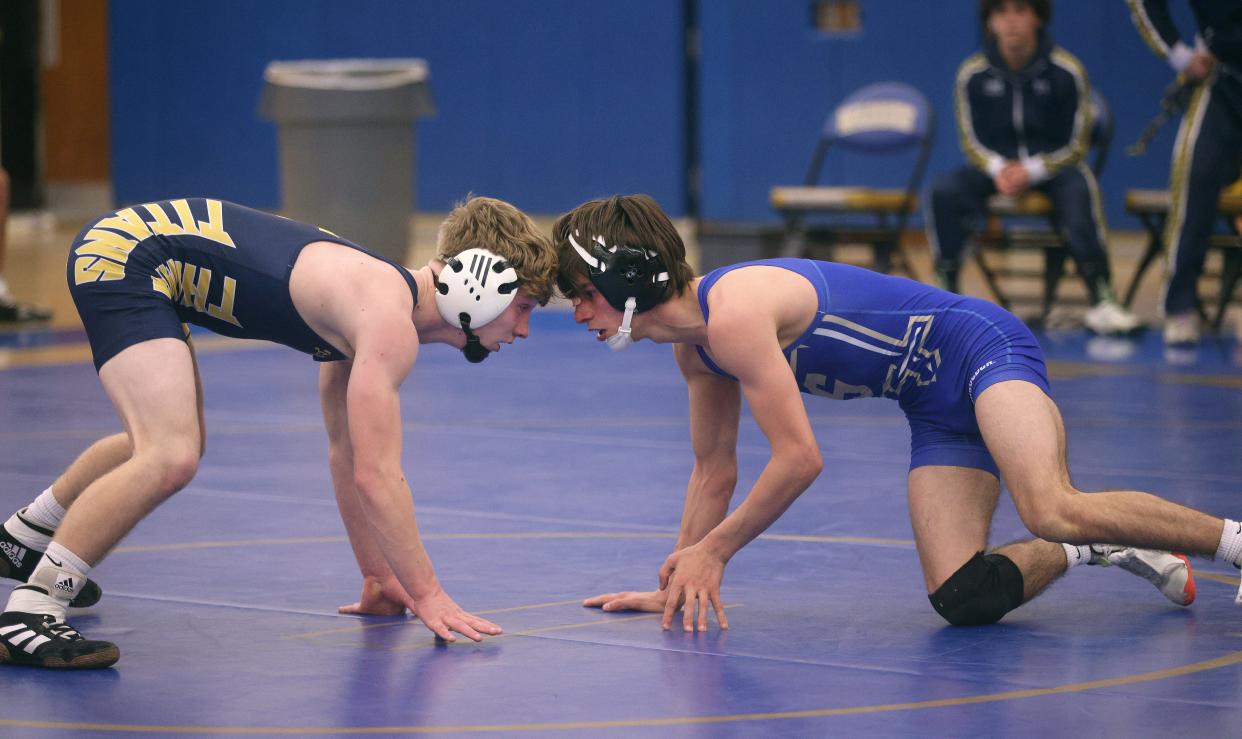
{"x":556,"y":471}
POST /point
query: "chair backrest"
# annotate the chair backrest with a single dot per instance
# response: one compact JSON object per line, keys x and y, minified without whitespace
{"x":1101,"y":131}
{"x":881,"y":117}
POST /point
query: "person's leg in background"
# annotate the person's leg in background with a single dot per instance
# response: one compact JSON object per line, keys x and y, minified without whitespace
{"x":957,"y":198}
{"x":10,"y":309}
{"x":1075,"y":196}
{"x":1205,"y":160}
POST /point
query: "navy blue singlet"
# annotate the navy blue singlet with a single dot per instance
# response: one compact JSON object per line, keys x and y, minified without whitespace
{"x":140,"y":272}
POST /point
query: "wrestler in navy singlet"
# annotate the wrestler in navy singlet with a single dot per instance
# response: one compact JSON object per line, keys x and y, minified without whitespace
{"x":932,"y":351}
{"x":140,"y":272}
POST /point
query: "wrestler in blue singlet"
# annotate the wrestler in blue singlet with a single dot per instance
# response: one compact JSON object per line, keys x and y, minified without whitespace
{"x":139,"y":273}
{"x":932,"y":351}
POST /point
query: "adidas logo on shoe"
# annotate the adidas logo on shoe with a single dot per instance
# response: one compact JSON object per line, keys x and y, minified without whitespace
{"x":15,"y":552}
{"x":65,"y":584}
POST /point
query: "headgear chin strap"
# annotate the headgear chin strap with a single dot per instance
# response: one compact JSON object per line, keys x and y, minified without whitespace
{"x":474,"y":350}
{"x":477,"y":286}
{"x":623,"y":339}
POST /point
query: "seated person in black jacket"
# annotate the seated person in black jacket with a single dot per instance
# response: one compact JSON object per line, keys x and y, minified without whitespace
{"x":1024,"y":119}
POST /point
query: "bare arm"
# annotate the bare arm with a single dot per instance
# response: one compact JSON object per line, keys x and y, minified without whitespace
{"x":382,"y":594}
{"x":373,"y":419}
{"x":384,"y":353}
{"x":715,"y":406}
{"x":752,"y":353}
{"x":744,"y":341}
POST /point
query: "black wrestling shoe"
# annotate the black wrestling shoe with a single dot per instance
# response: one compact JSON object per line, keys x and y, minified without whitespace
{"x":12,"y":311}
{"x":18,"y":561}
{"x":39,"y":640}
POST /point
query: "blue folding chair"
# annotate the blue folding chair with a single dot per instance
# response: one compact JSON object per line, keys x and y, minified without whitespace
{"x":882,"y":119}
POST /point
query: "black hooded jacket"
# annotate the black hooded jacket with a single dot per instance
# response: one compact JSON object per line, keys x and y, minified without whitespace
{"x":1039,"y":115}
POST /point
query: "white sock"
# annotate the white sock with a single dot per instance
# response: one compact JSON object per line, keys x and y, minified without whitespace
{"x":27,"y":599}
{"x":58,"y":556}
{"x":1074,"y":556}
{"x":35,"y":524}
{"x":1230,"y":549}
{"x":19,"y":527}
{"x":57,"y":579}
{"x":45,"y":511}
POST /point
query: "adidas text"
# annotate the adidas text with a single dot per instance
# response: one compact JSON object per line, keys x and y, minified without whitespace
{"x":15,"y":552}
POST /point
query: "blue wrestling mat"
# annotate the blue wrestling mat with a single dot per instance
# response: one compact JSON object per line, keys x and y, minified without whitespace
{"x":556,"y":471}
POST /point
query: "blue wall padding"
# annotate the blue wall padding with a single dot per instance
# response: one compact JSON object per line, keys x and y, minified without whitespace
{"x":550,"y":102}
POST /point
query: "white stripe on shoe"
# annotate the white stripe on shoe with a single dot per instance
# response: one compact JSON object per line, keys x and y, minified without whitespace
{"x":35,"y":643}
{"x":20,"y":639}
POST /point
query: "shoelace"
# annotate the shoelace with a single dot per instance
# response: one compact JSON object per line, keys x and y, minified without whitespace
{"x":61,"y":630}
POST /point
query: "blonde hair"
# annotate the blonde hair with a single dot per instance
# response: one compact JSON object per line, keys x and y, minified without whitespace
{"x":501,"y":228}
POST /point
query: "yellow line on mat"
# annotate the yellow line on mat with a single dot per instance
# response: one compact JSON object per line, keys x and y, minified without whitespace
{"x":1211,"y":664}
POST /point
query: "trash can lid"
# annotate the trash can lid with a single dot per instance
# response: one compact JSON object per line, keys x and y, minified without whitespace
{"x":346,"y":74}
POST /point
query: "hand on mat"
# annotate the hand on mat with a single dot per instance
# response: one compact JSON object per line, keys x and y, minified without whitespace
{"x":439,"y":613}
{"x":379,"y":598}
{"x":630,"y":600}
{"x":693,"y":575}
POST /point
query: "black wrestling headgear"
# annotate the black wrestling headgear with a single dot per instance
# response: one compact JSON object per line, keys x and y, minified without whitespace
{"x":622,"y":272}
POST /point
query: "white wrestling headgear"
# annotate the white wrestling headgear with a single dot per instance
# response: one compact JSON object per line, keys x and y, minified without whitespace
{"x":474,"y":288}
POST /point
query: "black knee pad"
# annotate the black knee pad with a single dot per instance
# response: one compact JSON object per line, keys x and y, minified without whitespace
{"x":980,"y":592}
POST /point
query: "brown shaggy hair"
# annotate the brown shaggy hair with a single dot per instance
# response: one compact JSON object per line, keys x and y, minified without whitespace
{"x":631,"y":220}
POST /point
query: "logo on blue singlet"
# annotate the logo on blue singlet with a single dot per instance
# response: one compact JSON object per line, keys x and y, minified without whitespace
{"x":970,"y":386}
{"x":912,"y":360}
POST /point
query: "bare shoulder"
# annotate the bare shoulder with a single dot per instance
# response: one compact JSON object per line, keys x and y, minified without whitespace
{"x":345,"y":295}
{"x":761,"y":298}
{"x":335,"y":269}
{"x":331,"y":264}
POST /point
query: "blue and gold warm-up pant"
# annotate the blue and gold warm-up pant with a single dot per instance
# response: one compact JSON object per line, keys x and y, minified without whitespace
{"x":1206,"y":158}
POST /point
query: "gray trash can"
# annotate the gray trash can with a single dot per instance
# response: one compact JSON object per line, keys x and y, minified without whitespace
{"x":346,"y":137}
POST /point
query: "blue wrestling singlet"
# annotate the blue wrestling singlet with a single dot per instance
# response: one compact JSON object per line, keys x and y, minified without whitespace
{"x":934,"y":352}
{"x":139,"y":273}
